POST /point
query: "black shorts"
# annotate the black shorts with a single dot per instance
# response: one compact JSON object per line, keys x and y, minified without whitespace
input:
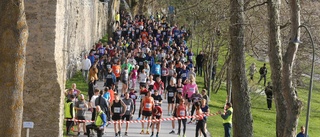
{"x":127,"y":117}
{"x":116,"y":117}
{"x":189,"y":99}
{"x":174,"y":113}
{"x":81,"y":118}
{"x":146,"y":113}
{"x":157,"y":117}
{"x":118,"y":79}
{"x":170,"y":100}
{"x":125,"y":81}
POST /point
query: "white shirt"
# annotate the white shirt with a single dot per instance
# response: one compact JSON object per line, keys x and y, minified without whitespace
{"x":86,"y":64}
{"x":93,"y":101}
{"x":143,"y":78}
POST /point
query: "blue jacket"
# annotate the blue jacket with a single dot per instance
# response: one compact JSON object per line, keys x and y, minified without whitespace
{"x":156,"y":69}
{"x":150,"y":60}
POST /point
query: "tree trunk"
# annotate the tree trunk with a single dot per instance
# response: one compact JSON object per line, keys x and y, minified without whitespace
{"x":293,"y":103}
{"x":13,"y":39}
{"x":242,"y":118}
{"x":275,"y":57}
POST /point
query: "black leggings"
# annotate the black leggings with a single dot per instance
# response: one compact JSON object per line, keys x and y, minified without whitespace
{"x":69,"y":124}
{"x":200,"y":125}
{"x":93,"y":116}
{"x":193,"y":108}
{"x":184,"y":121}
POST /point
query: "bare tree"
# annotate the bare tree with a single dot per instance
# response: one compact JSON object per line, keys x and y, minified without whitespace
{"x":13,"y":39}
{"x":242,"y":118}
{"x":287,"y":104}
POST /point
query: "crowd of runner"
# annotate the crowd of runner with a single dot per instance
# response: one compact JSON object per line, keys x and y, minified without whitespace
{"x":147,"y":53}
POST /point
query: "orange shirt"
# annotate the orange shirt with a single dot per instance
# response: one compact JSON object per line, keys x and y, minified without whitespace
{"x":181,"y":111}
{"x":116,"y":70}
{"x":147,"y":104}
{"x":111,"y":95}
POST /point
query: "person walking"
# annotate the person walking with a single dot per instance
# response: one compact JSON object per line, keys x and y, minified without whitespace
{"x":200,"y":121}
{"x":268,"y":92}
{"x":81,"y":107}
{"x":86,"y":64}
{"x":302,"y":132}
{"x":129,"y":111}
{"x":252,"y":70}
{"x":99,"y":123}
{"x":263,"y":74}
{"x":69,"y":113}
{"x":227,"y":119}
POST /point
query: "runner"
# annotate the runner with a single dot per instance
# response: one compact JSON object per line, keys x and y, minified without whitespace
{"x":157,"y":114}
{"x":147,"y":106}
{"x":181,"y":112}
{"x":117,"y":109}
{"x":188,"y":89}
{"x":129,"y":111}
{"x":172,"y":90}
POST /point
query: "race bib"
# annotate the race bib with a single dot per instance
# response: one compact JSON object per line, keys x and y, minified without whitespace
{"x":156,"y":101}
{"x":140,"y":63}
{"x":164,"y":71}
{"x":133,"y":96}
{"x":183,"y":75}
{"x":171,"y":94}
{"x":182,"y":113}
{"x":191,"y":89}
{"x":148,"y":105}
{"x":109,"y":76}
{"x":179,"y":90}
{"x":190,"y":57}
{"x":157,"y":69}
{"x":81,"y":105}
{"x":117,"y":109}
{"x":117,"y":71}
{"x":128,"y":107}
{"x":108,"y":66}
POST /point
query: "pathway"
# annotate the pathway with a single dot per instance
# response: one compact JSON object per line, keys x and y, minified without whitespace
{"x":134,"y":129}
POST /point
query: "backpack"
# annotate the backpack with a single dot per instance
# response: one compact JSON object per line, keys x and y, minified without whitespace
{"x":262,"y":70}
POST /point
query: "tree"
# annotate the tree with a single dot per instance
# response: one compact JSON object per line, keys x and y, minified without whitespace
{"x":13,"y":39}
{"x":242,"y":118}
{"x":288,"y":106}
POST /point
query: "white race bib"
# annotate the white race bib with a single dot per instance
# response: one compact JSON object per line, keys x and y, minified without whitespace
{"x":191,"y":89}
{"x":171,"y":94}
{"x":133,"y":96}
{"x":148,"y":105}
{"x":117,"y":71}
{"x":140,"y":63}
{"x":117,"y":109}
{"x":108,"y":66}
{"x":179,"y":90}
{"x":182,"y":113}
{"x":109,"y":76}
{"x":183,"y":75}
{"x":128,"y":107}
{"x":164,"y":71}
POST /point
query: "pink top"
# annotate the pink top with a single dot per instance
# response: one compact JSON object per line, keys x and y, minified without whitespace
{"x":134,"y":74}
{"x":189,"y":89}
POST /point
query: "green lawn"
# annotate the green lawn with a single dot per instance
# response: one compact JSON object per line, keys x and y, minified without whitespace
{"x":263,"y":119}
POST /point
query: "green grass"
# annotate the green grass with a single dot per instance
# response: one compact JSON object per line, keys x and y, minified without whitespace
{"x":81,"y":85}
{"x":264,"y":121}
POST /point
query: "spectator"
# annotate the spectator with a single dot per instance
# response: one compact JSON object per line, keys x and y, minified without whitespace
{"x":86,"y":64}
{"x":268,"y":92}
{"x":69,"y":113}
{"x":99,"y":124}
{"x":302,"y":133}
{"x":227,"y":119}
{"x":263,"y":74}
{"x":252,"y":70}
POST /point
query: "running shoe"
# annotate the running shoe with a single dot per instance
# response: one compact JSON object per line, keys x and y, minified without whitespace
{"x":172,"y":132}
{"x":142,"y":132}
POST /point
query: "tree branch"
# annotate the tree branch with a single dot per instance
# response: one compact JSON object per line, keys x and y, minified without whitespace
{"x":254,"y":6}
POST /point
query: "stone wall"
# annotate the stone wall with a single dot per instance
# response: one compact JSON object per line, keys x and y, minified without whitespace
{"x":60,"y":32}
